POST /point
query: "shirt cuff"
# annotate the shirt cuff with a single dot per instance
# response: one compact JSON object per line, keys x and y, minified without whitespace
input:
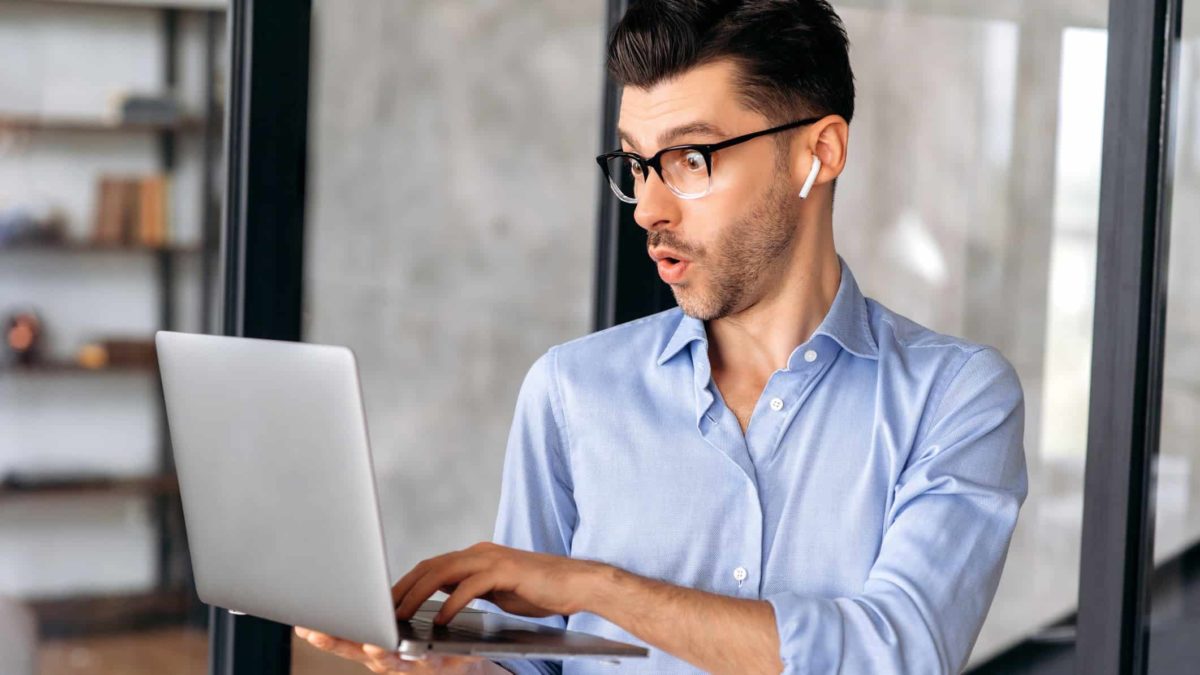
{"x":810,"y":632}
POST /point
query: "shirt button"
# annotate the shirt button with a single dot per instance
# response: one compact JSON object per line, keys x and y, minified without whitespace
{"x":810,"y":356}
{"x":776,"y":405}
{"x":740,"y":574}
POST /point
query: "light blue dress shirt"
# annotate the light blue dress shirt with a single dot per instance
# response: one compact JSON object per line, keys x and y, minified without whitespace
{"x":870,"y":501}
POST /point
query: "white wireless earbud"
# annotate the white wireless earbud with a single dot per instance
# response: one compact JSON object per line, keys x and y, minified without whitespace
{"x":812,"y":176}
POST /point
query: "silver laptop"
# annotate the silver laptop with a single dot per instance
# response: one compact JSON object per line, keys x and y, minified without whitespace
{"x":279,"y":500}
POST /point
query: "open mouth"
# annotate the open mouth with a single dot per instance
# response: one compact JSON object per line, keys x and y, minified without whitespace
{"x":671,"y":269}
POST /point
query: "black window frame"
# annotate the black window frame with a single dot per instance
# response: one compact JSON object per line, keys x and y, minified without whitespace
{"x":1128,"y":338}
{"x":262,"y":239}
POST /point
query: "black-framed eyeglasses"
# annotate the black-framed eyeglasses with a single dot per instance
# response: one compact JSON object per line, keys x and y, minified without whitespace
{"x":685,"y":169}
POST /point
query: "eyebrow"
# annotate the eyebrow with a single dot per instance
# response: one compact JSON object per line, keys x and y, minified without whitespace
{"x":671,"y":135}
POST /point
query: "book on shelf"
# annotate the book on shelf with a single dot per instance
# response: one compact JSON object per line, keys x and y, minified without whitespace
{"x":131,"y":210}
{"x":152,"y":211}
{"x":111,"y":210}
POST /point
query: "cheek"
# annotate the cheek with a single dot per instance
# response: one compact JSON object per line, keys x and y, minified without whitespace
{"x":707,"y":223}
{"x":743,"y":177}
{"x":743,"y":184}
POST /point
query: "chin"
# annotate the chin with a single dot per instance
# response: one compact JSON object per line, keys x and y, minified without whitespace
{"x":696,"y":305}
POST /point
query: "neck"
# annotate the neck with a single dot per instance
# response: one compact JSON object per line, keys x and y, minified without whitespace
{"x":757,"y":340}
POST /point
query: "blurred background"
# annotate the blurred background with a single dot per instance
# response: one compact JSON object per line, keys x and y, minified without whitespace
{"x":451,"y":239}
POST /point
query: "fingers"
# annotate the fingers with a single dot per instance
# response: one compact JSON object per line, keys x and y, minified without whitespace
{"x":346,"y":649}
{"x":338,"y":647}
{"x":404,"y":586}
{"x":468,"y":589}
{"x":383,"y":660}
{"x":380,"y":660}
{"x":451,"y":571}
{"x":316,"y":638}
{"x":419,"y":570}
{"x":376,"y":659}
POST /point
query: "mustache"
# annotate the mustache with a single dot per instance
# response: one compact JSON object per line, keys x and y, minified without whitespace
{"x":668,"y":240}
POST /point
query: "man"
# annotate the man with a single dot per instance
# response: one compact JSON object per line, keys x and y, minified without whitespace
{"x":779,"y":474}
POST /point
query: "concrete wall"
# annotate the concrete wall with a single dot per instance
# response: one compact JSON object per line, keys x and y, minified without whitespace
{"x":451,"y":228}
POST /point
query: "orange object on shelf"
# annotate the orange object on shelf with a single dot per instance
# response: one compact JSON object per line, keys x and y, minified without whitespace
{"x":92,"y":356}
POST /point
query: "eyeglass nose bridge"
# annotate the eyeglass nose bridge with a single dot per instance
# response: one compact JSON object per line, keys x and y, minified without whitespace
{"x":655,"y":163}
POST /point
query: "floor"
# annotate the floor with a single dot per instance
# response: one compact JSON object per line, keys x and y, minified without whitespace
{"x":170,"y":651}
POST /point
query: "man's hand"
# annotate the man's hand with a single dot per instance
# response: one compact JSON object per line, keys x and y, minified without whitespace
{"x":380,"y":660}
{"x":519,"y":582}
{"x":716,"y":633}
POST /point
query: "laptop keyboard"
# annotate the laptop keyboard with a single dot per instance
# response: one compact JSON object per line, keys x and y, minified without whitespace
{"x":450,"y":630}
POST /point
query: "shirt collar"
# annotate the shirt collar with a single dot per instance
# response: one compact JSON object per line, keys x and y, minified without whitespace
{"x":845,"y":322}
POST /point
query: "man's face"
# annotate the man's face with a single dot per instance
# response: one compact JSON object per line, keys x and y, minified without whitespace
{"x":719,"y":252}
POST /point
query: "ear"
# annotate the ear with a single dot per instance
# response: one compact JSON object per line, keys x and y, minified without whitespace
{"x":827,"y":140}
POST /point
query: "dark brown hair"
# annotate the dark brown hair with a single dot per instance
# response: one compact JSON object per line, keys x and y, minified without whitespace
{"x":792,"y":55}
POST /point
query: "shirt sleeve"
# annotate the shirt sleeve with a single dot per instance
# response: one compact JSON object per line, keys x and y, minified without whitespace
{"x":537,"y":504}
{"x":946,"y":538}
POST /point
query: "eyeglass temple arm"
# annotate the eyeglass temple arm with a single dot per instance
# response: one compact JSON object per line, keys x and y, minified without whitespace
{"x":746,"y":137}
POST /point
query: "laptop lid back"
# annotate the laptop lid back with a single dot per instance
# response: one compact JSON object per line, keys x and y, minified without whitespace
{"x":275,"y":476}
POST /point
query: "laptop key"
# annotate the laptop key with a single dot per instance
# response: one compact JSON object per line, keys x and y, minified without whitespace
{"x":433,"y":630}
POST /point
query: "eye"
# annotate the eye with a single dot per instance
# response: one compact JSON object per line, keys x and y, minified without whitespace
{"x":693,"y":160}
{"x":635,"y":168}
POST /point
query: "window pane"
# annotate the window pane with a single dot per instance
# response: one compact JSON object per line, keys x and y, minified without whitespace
{"x":969,"y":202}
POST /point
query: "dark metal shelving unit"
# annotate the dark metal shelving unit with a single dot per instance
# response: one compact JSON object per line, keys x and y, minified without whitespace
{"x":96,"y":247}
{"x":42,"y":123}
{"x":156,"y":484}
{"x":179,"y":5}
{"x":173,"y":599}
{"x":56,"y":367}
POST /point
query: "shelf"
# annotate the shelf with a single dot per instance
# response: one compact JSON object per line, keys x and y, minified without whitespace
{"x":89,"y":615}
{"x":187,"y":5}
{"x":171,"y":597}
{"x":78,"y":246}
{"x":25,"y":122}
{"x":66,"y":367}
{"x":22,"y":486}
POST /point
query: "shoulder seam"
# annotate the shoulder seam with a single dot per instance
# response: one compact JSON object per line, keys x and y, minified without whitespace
{"x":628,"y":324}
{"x":944,"y":385}
{"x":948,"y":340}
{"x":560,"y":416}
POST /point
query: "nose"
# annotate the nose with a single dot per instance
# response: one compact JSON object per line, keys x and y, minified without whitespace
{"x":657,"y":207}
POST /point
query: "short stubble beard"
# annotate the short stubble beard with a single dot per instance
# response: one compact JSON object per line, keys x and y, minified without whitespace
{"x":747,"y":255}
